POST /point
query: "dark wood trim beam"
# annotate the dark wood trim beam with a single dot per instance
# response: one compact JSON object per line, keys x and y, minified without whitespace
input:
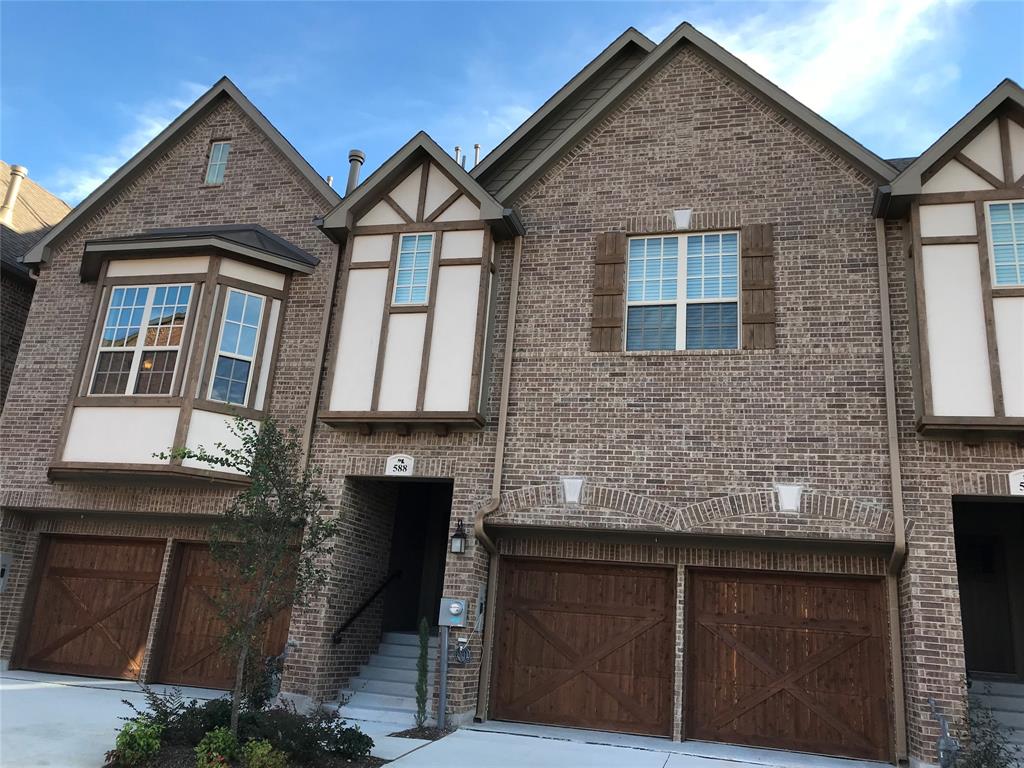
{"x":382,"y":342}
{"x":429,"y":418}
{"x":409,"y":309}
{"x":444,"y":206}
{"x":416,"y":228}
{"x":1006,"y":150}
{"x":919,"y":298}
{"x":421,"y":201}
{"x":989,"y":309}
{"x":937,"y":198}
{"x":977,"y":170}
{"x":174,"y":278}
{"x":1006,"y":293}
{"x":334,"y":342}
{"x":369,"y":264}
{"x":257,"y":358}
{"x":127,"y":401}
{"x":476,"y":373}
{"x":244,"y":285}
{"x":397,"y":209}
{"x":144,"y":474}
{"x":428,"y":330}
{"x":463,"y":262}
{"x":278,"y":342}
{"x":950,"y":240}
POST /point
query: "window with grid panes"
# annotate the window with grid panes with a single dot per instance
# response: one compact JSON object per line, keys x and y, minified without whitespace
{"x":140,"y":342}
{"x":412,"y":274}
{"x":693,"y":305}
{"x":236,"y":348}
{"x":1006,"y":230}
{"x":218,"y":163}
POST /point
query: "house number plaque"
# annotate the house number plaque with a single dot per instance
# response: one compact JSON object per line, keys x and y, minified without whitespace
{"x":399,"y":465}
{"x":1017,"y":483}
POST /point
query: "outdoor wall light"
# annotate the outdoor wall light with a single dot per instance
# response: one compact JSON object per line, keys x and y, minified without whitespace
{"x":789,"y":497}
{"x":459,"y":539}
{"x":572,"y":489}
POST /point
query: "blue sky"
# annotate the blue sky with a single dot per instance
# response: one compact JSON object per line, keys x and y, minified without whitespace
{"x":84,"y":85}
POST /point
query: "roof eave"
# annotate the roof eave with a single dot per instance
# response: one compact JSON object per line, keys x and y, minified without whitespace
{"x":685,"y":32}
{"x":42,"y":251}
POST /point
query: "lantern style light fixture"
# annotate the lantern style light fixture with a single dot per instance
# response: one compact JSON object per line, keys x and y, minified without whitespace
{"x":459,"y":539}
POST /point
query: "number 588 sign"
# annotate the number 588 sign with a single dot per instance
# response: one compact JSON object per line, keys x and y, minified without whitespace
{"x":400,"y":465}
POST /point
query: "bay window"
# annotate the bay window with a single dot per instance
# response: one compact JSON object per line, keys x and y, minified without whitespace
{"x":236,"y":348}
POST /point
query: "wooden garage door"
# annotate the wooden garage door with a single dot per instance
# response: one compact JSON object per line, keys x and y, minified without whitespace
{"x":192,"y":652}
{"x":788,"y":661}
{"x":93,"y":604}
{"x":586,"y":645}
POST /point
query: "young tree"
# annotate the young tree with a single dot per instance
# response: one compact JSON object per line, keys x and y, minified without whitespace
{"x":269,"y":541}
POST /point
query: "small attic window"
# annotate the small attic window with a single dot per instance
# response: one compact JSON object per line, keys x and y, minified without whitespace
{"x":218,"y":162}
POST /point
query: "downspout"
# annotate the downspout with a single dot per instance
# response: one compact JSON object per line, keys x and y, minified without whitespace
{"x":899,"y":546}
{"x":484,"y":686}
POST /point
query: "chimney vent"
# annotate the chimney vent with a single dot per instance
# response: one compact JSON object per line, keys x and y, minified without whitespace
{"x":330,"y":182}
{"x":355,"y":162}
{"x":458,"y":154}
{"x":476,"y":154}
{"x":18,"y":172}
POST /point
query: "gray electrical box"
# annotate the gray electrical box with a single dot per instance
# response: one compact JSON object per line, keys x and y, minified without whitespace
{"x":452,"y":613}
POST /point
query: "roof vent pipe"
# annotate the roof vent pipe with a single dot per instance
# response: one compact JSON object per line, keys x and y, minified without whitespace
{"x":18,"y":172}
{"x":476,"y":154}
{"x":355,"y":162}
{"x":330,"y":182}
{"x":458,"y":154}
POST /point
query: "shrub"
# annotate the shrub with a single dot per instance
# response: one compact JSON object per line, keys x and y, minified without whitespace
{"x":984,"y":742}
{"x":218,"y":748}
{"x":347,"y":742}
{"x":137,"y":743}
{"x":196,"y":719}
{"x":261,"y":754}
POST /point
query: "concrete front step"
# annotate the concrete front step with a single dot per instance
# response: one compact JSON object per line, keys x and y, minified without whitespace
{"x":391,"y":687}
{"x":398,"y":662}
{"x":367,"y":700}
{"x":389,"y":674}
{"x":408,"y":638}
{"x":399,"y":649}
{"x":373,"y":714}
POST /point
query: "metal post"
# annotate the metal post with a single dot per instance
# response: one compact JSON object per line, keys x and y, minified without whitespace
{"x":443,"y":683}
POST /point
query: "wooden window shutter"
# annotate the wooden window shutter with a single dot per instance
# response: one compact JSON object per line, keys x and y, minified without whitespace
{"x":609,"y":288}
{"x":757,"y":282}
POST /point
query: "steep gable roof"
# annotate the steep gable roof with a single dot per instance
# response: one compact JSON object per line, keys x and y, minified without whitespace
{"x":572,"y":100}
{"x":35,"y":212}
{"x":909,"y":180}
{"x":686,"y":33}
{"x":394,"y":169}
{"x":223,"y":88}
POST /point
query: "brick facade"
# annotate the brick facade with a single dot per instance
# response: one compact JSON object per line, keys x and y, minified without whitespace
{"x":686,"y":443}
{"x":17,"y":298}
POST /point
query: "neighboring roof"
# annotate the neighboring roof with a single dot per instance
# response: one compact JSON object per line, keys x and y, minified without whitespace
{"x":559,"y":112}
{"x":35,"y":212}
{"x":909,"y":180}
{"x":395,"y":168}
{"x":248,"y":240}
{"x":223,"y":88}
{"x":685,"y":33}
{"x":899,"y":163}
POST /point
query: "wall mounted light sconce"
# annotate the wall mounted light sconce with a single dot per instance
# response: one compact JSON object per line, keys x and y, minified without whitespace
{"x":459,"y":539}
{"x":572,"y":489}
{"x":789,"y":497}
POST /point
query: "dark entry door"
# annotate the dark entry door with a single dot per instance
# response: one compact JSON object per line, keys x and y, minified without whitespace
{"x":788,"y":661}
{"x":585,"y":644}
{"x":192,"y":646}
{"x":93,"y":604}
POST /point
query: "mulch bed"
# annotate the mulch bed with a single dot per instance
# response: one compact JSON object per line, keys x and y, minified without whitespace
{"x":430,"y":734}
{"x":185,"y":757}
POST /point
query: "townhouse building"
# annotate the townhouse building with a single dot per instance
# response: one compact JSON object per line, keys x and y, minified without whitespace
{"x":711,"y":416}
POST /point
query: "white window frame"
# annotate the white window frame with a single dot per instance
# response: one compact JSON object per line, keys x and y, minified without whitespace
{"x":681,"y":301}
{"x":223,"y":164}
{"x":430,"y":270}
{"x":992,"y":246}
{"x":250,"y":359}
{"x":140,"y":346}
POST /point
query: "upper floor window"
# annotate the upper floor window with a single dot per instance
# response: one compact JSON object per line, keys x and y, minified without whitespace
{"x":412,"y":278}
{"x":141,"y":339}
{"x":693,"y":308}
{"x":236,"y":349}
{"x":218,"y":162}
{"x":1006,"y":227}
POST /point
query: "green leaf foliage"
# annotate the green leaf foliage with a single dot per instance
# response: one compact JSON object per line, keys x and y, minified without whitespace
{"x":421,"y":674}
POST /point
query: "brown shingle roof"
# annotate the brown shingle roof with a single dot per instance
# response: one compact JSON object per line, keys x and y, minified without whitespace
{"x":35,"y":212}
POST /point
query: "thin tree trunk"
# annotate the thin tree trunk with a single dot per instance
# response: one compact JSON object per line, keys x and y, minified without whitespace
{"x":236,"y":697}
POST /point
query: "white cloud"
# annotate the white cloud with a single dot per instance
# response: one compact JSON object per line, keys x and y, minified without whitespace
{"x":75,"y":182}
{"x":846,"y":60}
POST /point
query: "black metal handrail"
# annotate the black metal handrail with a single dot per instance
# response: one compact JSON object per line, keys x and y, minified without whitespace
{"x":336,"y":636}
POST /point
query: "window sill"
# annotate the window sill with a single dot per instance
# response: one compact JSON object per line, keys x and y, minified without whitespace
{"x":972,"y":428}
{"x":143,"y":474}
{"x":687,"y":352}
{"x":402,"y":421}
{"x":120,"y":401}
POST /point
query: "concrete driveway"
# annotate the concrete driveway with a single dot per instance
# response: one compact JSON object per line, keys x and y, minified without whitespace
{"x":70,"y":722}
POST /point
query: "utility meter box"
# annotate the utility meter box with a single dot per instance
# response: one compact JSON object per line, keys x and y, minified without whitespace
{"x":452,"y":613}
